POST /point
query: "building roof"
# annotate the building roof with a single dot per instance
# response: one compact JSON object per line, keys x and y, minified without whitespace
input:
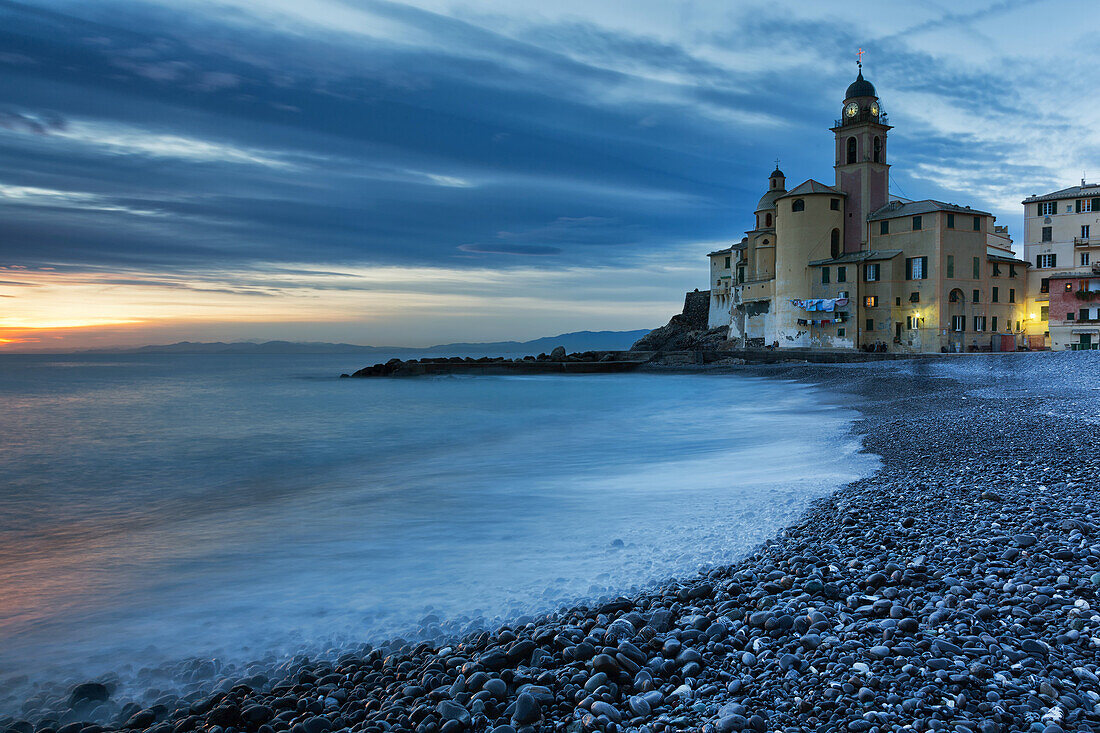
{"x":860,"y":88}
{"x":1001,"y":258}
{"x":725,"y":251}
{"x":811,"y":186}
{"x":861,"y":256}
{"x":1079,"y":275}
{"x":767,"y":201}
{"x":777,"y":173}
{"x":913,"y":208}
{"x":1085,"y":189}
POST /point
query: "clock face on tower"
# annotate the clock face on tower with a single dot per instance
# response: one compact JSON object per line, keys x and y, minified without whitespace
{"x":851,"y":110}
{"x":874,"y":109}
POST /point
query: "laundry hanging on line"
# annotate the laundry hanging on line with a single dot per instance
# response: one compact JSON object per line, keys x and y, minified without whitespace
{"x":827,"y":305}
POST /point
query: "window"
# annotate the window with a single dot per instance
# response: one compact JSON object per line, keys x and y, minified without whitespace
{"x":951,"y":265}
{"x":977,"y":296}
{"x":834,"y":243}
{"x":798,"y":205}
{"x":993,"y":323}
{"x":958,"y":323}
{"x":950,"y":221}
{"x":914,"y":297}
{"x":1044,"y":313}
{"x":878,"y":150}
{"x":954,"y":296}
{"x":1044,"y":285}
{"x":1084,"y":258}
{"x":996,"y":270}
{"x":727,"y":263}
{"x":870,"y":325}
{"x":834,"y":204}
{"x":979,"y":323}
{"x":977,"y":268}
{"x":1084,"y":314}
{"x":916,"y":268}
{"x":851,"y":150}
{"x":1070,"y":316}
{"x":840,"y":332}
{"x":996,"y":297}
{"x":977,"y":223}
{"x":824,"y":275}
{"x":1048,"y":260}
{"x":897,"y":300}
{"x":870,"y":273}
{"x":884,"y":226}
{"x":1048,"y":208}
{"x":916,"y":223}
{"x":1048,"y":234}
{"x":767,"y":220}
{"x":1012,"y":295}
{"x":741,"y":273}
{"x":1084,"y":205}
{"x":1084,"y":231}
{"x":1069,"y":287}
{"x":870,"y":301}
{"x":842,"y":274}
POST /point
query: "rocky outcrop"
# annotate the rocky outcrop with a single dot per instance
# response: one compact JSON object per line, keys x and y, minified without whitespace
{"x":680,"y":334}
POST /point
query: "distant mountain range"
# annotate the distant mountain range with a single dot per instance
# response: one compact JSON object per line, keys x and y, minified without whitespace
{"x":577,"y":341}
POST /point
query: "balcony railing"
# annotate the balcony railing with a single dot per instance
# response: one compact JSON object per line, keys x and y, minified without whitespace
{"x":1086,"y":241}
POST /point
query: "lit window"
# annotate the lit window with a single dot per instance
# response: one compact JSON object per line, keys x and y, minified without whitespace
{"x":870,"y":301}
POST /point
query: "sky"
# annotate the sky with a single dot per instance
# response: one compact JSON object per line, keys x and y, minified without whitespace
{"x":430,"y":171}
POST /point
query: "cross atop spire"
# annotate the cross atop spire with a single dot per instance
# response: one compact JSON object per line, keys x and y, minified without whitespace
{"x":859,"y":59}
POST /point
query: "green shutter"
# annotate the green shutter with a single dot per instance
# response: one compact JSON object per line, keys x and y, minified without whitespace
{"x":923,"y":267}
{"x":1077,"y":206}
{"x":1054,"y":260}
{"x":1096,"y":204}
{"x":909,"y":268}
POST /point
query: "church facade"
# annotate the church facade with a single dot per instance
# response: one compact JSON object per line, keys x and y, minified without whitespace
{"x":848,"y":266}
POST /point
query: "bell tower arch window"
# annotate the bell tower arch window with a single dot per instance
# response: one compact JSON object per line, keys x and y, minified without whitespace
{"x":878,"y":149}
{"x":851,"y":150}
{"x":798,"y":205}
{"x":767,"y":220}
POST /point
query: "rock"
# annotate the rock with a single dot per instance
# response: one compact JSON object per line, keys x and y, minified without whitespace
{"x":558,"y":353}
{"x":602,"y":708}
{"x":1025,"y":540}
{"x":527,"y":710}
{"x":88,"y":692}
{"x":449,"y":710}
{"x":879,"y":652}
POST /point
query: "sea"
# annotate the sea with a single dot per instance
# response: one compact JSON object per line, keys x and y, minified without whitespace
{"x":164,"y":507}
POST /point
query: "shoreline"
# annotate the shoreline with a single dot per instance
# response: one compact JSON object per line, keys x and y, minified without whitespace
{"x":775,"y":640}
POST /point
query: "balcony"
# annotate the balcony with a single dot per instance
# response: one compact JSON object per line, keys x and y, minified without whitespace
{"x":1086,"y":241}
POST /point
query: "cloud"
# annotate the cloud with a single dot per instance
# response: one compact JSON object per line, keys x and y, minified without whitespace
{"x":188,"y":140}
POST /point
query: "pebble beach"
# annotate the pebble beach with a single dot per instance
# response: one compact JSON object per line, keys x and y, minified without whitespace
{"x":953,"y":590}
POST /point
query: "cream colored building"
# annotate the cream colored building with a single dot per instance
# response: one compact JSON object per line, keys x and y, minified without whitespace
{"x":1061,"y":236}
{"x":846,"y":266}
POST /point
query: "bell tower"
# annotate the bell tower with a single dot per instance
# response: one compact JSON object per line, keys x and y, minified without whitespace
{"x":861,"y":168}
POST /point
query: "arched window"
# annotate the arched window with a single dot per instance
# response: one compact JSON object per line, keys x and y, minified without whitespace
{"x":764,"y":242}
{"x":767,"y":220}
{"x":851,"y":150}
{"x":798,"y":205}
{"x":878,"y":150}
{"x":834,"y":243}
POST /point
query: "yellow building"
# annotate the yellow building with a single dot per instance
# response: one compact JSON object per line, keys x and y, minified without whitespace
{"x":847,"y":266}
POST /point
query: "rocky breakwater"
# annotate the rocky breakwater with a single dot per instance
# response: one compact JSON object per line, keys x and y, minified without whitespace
{"x":557,"y":361}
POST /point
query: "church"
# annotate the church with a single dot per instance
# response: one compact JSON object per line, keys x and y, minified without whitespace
{"x":847,"y":266}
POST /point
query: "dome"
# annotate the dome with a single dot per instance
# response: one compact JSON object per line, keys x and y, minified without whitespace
{"x":860,"y":88}
{"x":777,"y":174}
{"x":767,"y":201}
